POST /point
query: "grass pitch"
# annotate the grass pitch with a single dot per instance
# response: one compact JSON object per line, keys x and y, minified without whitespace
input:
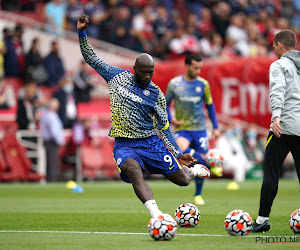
{"x":107,"y":215}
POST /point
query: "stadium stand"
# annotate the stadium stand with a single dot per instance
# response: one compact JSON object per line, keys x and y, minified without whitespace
{"x":239,"y":84}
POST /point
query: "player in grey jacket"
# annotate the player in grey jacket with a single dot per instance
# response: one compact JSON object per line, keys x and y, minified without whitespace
{"x":284,"y":135}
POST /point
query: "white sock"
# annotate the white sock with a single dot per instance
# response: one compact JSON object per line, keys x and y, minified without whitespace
{"x":152,"y":208}
{"x":261,"y":219}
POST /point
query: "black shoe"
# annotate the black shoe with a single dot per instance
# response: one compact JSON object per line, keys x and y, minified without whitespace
{"x":260,"y":228}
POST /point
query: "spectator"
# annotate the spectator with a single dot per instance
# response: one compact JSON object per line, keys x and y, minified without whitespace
{"x":228,"y":51}
{"x":19,"y":48}
{"x":83,"y":83}
{"x":191,"y":25}
{"x":53,"y":136}
{"x":35,"y":68}
{"x":67,"y":109}
{"x":10,"y":57}
{"x":30,"y":101}
{"x":28,"y":5}
{"x":2,"y":52}
{"x":135,"y":6}
{"x":221,"y":16}
{"x":235,"y":159}
{"x":257,"y":43}
{"x":7,"y":97}
{"x":253,"y":146}
{"x":55,"y":16}
{"x":54,"y":65}
{"x":97,"y":14}
{"x":10,"y":5}
{"x":73,"y":10}
{"x":142,"y":30}
{"x":296,"y":14}
{"x":237,"y":31}
{"x":164,"y":30}
{"x":183,"y":43}
{"x":120,"y":28}
{"x":211,"y":45}
{"x":205,"y":25}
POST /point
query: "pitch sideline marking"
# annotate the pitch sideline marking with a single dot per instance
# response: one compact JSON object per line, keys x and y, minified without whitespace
{"x":119,"y":233}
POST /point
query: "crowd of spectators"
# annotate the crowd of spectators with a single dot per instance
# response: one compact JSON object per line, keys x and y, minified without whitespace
{"x":168,"y":28}
{"x":37,"y":71}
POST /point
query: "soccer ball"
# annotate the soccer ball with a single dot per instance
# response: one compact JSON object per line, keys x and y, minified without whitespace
{"x":238,"y":223}
{"x":214,"y":158}
{"x":187,"y":215}
{"x":295,"y":221}
{"x":163,"y":227}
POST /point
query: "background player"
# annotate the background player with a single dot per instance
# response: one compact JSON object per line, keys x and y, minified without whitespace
{"x":138,"y":107}
{"x":190,"y":92}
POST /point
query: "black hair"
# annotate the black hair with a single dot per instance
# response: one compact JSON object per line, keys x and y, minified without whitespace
{"x":192,"y":57}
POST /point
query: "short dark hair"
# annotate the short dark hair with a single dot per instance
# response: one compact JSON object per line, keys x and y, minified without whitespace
{"x":287,"y":38}
{"x":192,"y":57}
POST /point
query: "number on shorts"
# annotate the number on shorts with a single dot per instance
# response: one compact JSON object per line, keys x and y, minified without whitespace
{"x":203,"y":142}
{"x":168,"y":159}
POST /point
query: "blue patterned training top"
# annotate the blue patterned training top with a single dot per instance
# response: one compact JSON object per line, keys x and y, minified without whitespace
{"x":136,"y":112}
{"x":189,"y":99}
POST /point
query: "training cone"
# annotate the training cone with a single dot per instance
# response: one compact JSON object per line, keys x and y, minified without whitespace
{"x":71,"y":184}
{"x":77,"y":189}
{"x":233,"y":186}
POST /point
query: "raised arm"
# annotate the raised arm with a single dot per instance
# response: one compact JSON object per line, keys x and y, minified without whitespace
{"x":105,"y":70}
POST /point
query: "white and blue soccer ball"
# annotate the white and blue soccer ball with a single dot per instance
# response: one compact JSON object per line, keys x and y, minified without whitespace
{"x":295,"y":221}
{"x":238,"y":223}
{"x":162,"y":227}
{"x":187,"y":215}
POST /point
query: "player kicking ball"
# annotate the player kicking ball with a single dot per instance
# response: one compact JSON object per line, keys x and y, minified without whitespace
{"x":138,"y":110}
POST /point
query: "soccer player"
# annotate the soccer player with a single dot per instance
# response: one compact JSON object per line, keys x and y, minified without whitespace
{"x":138,"y":109}
{"x":190,"y":92}
{"x":284,"y":135}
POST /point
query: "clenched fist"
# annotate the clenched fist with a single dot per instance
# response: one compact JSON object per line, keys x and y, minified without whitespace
{"x":83,"y":22}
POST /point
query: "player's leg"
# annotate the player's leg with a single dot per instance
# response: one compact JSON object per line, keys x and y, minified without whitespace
{"x":199,"y":147}
{"x":276,"y":152}
{"x":183,"y":142}
{"x":185,"y":175}
{"x":295,"y":150}
{"x":133,"y":170}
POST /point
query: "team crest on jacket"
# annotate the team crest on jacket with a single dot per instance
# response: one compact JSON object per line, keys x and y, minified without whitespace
{"x":275,"y":73}
{"x":146,"y":92}
{"x":198,"y":89}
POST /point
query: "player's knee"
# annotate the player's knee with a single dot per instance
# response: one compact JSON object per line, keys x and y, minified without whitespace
{"x":184,"y":181}
{"x":133,"y":172}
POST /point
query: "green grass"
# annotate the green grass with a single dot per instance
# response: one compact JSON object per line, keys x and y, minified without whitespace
{"x":32,"y":216}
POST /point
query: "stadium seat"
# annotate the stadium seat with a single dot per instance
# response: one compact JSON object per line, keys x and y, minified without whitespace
{"x":98,"y":162}
{"x":18,"y":164}
{"x":5,"y":174}
{"x":91,"y":159}
{"x":108,"y":166}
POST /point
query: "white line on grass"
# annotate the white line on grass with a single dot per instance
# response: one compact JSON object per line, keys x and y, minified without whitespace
{"x":119,"y":233}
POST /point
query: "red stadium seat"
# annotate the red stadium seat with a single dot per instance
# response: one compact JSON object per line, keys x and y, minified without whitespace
{"x":18,"y":164}
{"x":108,"y":166}
{"x":91,"y":159}
{"x":98,"y":161}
